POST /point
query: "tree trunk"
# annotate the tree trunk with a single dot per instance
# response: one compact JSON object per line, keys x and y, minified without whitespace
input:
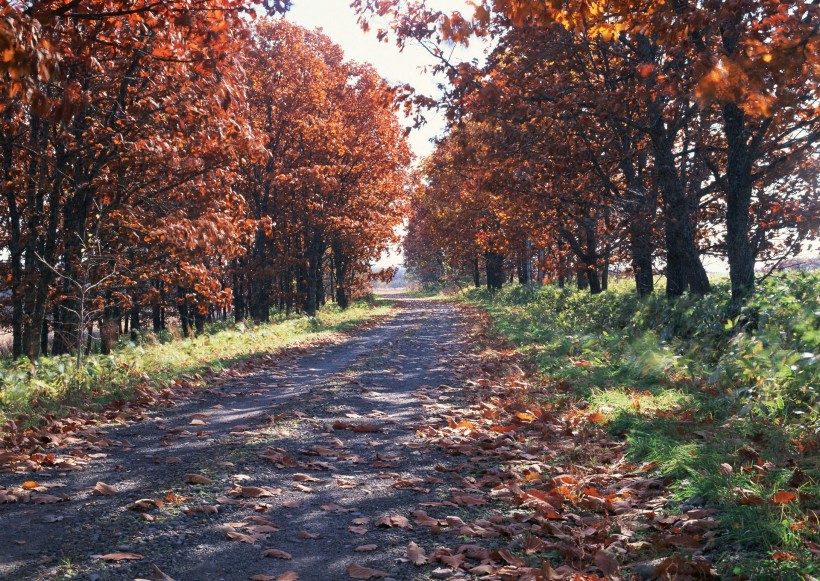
{"x":135,"y":321}
{"x":581,"y":279}
{"x":109,"y":329}
{"x":495,"y":270}
{"x":314,"y":264}
{"x":340,"y":266}
{"x":738,"y":200}
{"x":683,"y":266}
{"x":185,"y":315}
{"x":476,"y":273}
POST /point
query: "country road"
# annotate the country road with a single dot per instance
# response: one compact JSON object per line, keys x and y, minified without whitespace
{"x":276,"y":469}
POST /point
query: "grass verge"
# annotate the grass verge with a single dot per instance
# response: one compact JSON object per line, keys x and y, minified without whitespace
{"x":53,"y":386}
{"x":726,"y":409}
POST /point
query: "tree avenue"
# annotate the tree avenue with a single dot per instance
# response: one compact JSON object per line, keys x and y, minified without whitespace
{"x":185,"y":156}
{"x":646,"y":134}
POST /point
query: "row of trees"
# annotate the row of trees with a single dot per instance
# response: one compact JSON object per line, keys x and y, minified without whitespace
{"x":646,"y":134}
{"x":185,"y":154}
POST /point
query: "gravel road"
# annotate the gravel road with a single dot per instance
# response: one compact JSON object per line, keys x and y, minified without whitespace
{"x":280,"y":473}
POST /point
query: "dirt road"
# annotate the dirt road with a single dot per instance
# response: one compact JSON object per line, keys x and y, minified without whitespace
{"x":281,"y":475}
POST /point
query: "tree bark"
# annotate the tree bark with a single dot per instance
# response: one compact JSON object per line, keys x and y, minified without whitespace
{"x":495,"y":270}
{"x":683,"y":266}
{"x":739,"y":250}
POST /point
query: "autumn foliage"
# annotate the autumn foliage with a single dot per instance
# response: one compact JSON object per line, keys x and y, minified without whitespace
{"x":185,"y":156}
{"x":613,"y":133}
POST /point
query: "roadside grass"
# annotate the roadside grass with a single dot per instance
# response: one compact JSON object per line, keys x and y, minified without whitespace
{"x":53,"y":386}
{"x":727,"y":409}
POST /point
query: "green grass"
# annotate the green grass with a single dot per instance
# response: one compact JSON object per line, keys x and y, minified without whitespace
{"x":690,"y":389}
{"x":30,"y":391}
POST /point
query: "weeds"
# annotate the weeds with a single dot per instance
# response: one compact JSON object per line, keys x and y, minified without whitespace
{"x":727,"y":408}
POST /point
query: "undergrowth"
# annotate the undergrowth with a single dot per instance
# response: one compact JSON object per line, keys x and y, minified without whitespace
{"x":51,"y":385}
{"x":728,"y":408}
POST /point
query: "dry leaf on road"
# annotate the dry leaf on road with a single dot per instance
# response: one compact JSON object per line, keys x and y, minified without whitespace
{"x":356,"y":571}
{"x":121,"y":557}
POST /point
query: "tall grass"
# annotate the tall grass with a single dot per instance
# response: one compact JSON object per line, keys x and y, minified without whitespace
{"x":691,"y":388}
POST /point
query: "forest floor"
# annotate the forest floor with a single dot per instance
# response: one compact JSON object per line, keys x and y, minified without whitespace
{"x":418,"y":448}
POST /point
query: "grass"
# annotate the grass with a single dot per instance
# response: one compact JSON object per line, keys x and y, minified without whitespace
{"x":727,"y":408}
{"x":51,"y":386}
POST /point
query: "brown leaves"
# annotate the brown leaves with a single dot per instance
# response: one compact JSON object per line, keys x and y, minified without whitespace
{"x":121,"y":557}
{"x":254,"y":491}
{"x":144,"y":504}
{"x":243,"y":538}
{"x":606,"y":562}
{"x":356,"y":571}
{"x":361,"y":428}
{"x":469,"y":500}
{"x":416,"y":554}
{"x":197,"y":479}
{"x":366,"y":548}
{"x":103,"y":489}
{"x":277,"y":554}
{"x":390,"y":521}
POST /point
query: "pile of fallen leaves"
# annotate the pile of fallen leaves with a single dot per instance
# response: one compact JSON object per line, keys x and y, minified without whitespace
{"x":561,"y":500}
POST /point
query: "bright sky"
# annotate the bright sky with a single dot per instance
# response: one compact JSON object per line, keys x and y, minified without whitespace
{"x":337,"y":20}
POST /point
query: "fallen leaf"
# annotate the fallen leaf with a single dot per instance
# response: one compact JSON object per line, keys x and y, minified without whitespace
{"x":366,"y":548}
{"x":299,"y":477}
{"x":356,"y":571}
{"x":197,"y":479}
{"x":145,"y":504}
{"x":783,"y":497}
{"x":416,"y":554}
{"x":307,"y":535}
{"x":606,"y":562}
{"x":358,"y":530}
{"x":365,"y":428}
{"x":103,"y":489}
{"x":121,"y":557}
{"x":235,"y":536}
{"x":158,"y":574}
{"x":254,"y":491}
{"x":288,"y":576}
{"x":30,"y":484}
{"x":277,"y":554}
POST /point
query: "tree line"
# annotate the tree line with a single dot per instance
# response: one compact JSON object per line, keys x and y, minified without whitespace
{"x":648,"y":134}
{"x":190,"y":157}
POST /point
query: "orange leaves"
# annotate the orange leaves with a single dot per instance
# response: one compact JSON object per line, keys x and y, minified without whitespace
{"x":783,"y":497}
